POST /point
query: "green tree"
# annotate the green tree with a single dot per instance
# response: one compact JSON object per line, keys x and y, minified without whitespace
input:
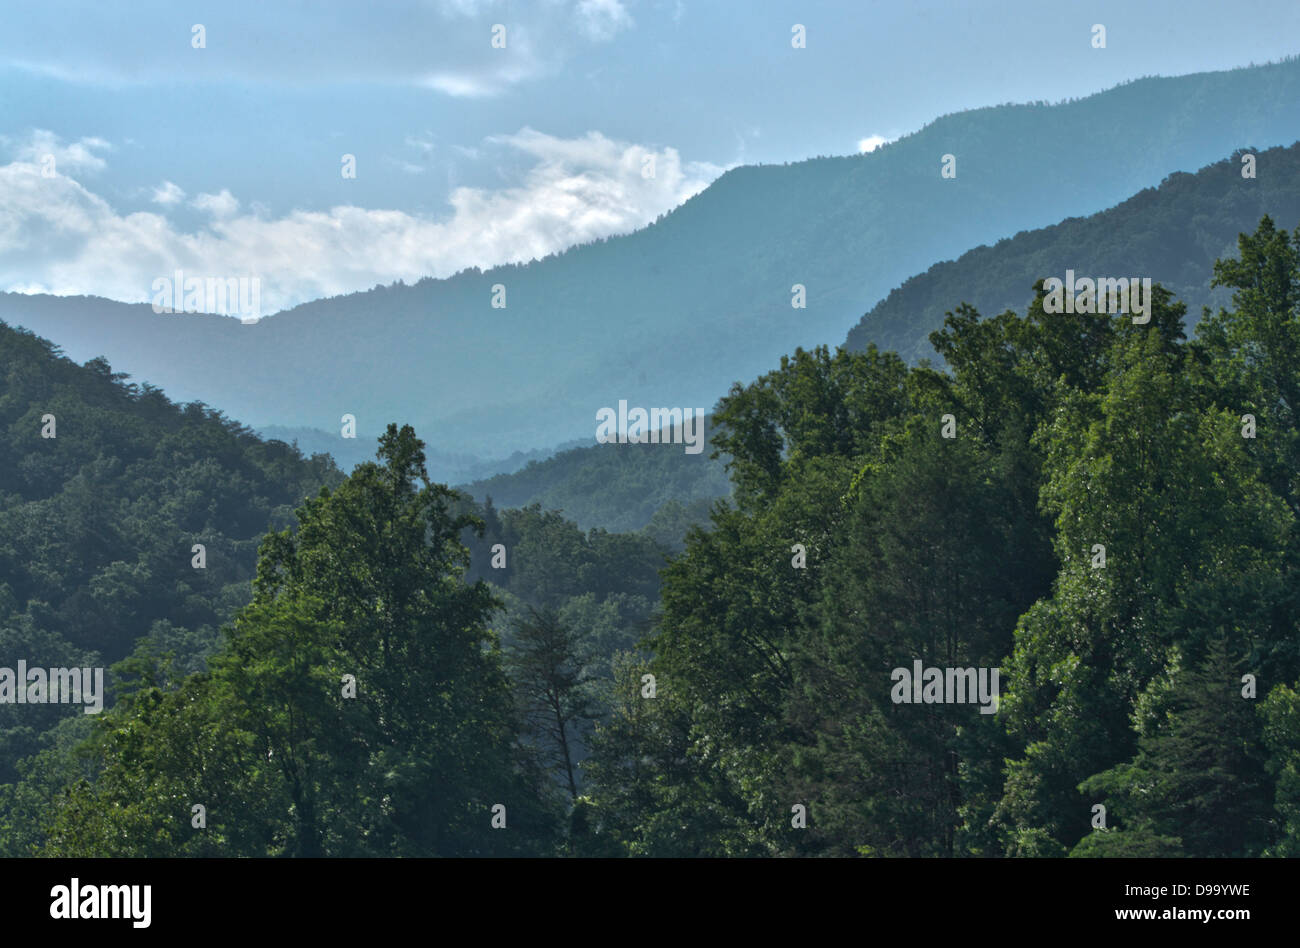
{"x":546,"y":667}
{"x":368,"y":586}
{"x":1281,"y":714}
{"x":1199,"y":774}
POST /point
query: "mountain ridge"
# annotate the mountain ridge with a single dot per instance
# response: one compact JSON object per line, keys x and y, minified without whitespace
{"x":676,"y":312}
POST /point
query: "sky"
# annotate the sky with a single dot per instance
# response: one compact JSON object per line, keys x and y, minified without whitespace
{"x":226,"y":158}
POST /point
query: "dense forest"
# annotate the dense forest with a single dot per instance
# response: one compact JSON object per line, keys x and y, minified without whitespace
{"x":1123,"y":672}
{"x":1103,"y":511}
{"x":99,"y":523}
{"x":617,"y":487}
{"x":99,"y":520}
{"x":1172,"y":234}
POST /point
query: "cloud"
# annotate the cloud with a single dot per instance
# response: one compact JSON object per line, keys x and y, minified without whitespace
{"x":424,"y":145}
{"x":59,"y":237}
{"x":77,"y":157}
{"x":167,"y":194}
{"x":499,"y":70}
{"x":601,"y":20}
{"x":391,"y":41}
{"x":463,"y":85}
{"x":872,"y":142}
{"x":220,"y":205}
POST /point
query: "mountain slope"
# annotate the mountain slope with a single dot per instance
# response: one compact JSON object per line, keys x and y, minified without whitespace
{"x":618,"y":487}
{"x":1172,"y":234}
{"x":100,"y":509}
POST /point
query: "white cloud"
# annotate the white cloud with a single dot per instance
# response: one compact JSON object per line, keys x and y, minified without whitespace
{"x":56,"y":236}
{"x":503,"y":68}
{"x":167,"y":194}
{"x":462,"y":85}
{"x":424,"y":145}
{"x":872,"y":142}
{"x":76,"y":157}
{"x":601,"y":20}
{"x":220,"y":205}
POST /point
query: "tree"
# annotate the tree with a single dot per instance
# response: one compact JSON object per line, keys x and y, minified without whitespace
{"x":1281,"y":715}
{"x":547,"y":668}
{"x":1199,"y":774}
{"x":409,"y":763}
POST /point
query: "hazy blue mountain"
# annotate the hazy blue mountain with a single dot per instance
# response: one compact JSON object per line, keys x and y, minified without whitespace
{"x":1172,"y":234}
{"x":673,"y":314}
{"x":443,"y":467}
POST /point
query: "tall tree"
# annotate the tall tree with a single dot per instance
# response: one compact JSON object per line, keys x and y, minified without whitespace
{"x":546,"y":665}
{"x":406,"y":756}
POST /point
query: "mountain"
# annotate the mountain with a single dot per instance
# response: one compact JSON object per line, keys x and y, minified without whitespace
{"x":443,"y":467}
{"x":671,"y":315}
{"x":1172,"y":234}
{"x":620,"y":487}
{"x":105,"y":489}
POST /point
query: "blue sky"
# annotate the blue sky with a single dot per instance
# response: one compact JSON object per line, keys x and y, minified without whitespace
{"x":226,"y":160}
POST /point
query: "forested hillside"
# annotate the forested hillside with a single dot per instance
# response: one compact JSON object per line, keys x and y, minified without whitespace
{"x":105,"y":488}
{"x":102,"y":504}
{"x":1103,"y":512}
{"x":615,"y":486}
{"x":1172,"y":234}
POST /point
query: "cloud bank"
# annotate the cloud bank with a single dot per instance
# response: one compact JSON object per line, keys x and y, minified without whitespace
{"x":58,"y":236}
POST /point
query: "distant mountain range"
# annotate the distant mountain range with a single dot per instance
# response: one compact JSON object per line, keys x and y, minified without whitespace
{"x":673,"y":314}
{"x":443,"y":467}
{"x":1172,"y":234}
